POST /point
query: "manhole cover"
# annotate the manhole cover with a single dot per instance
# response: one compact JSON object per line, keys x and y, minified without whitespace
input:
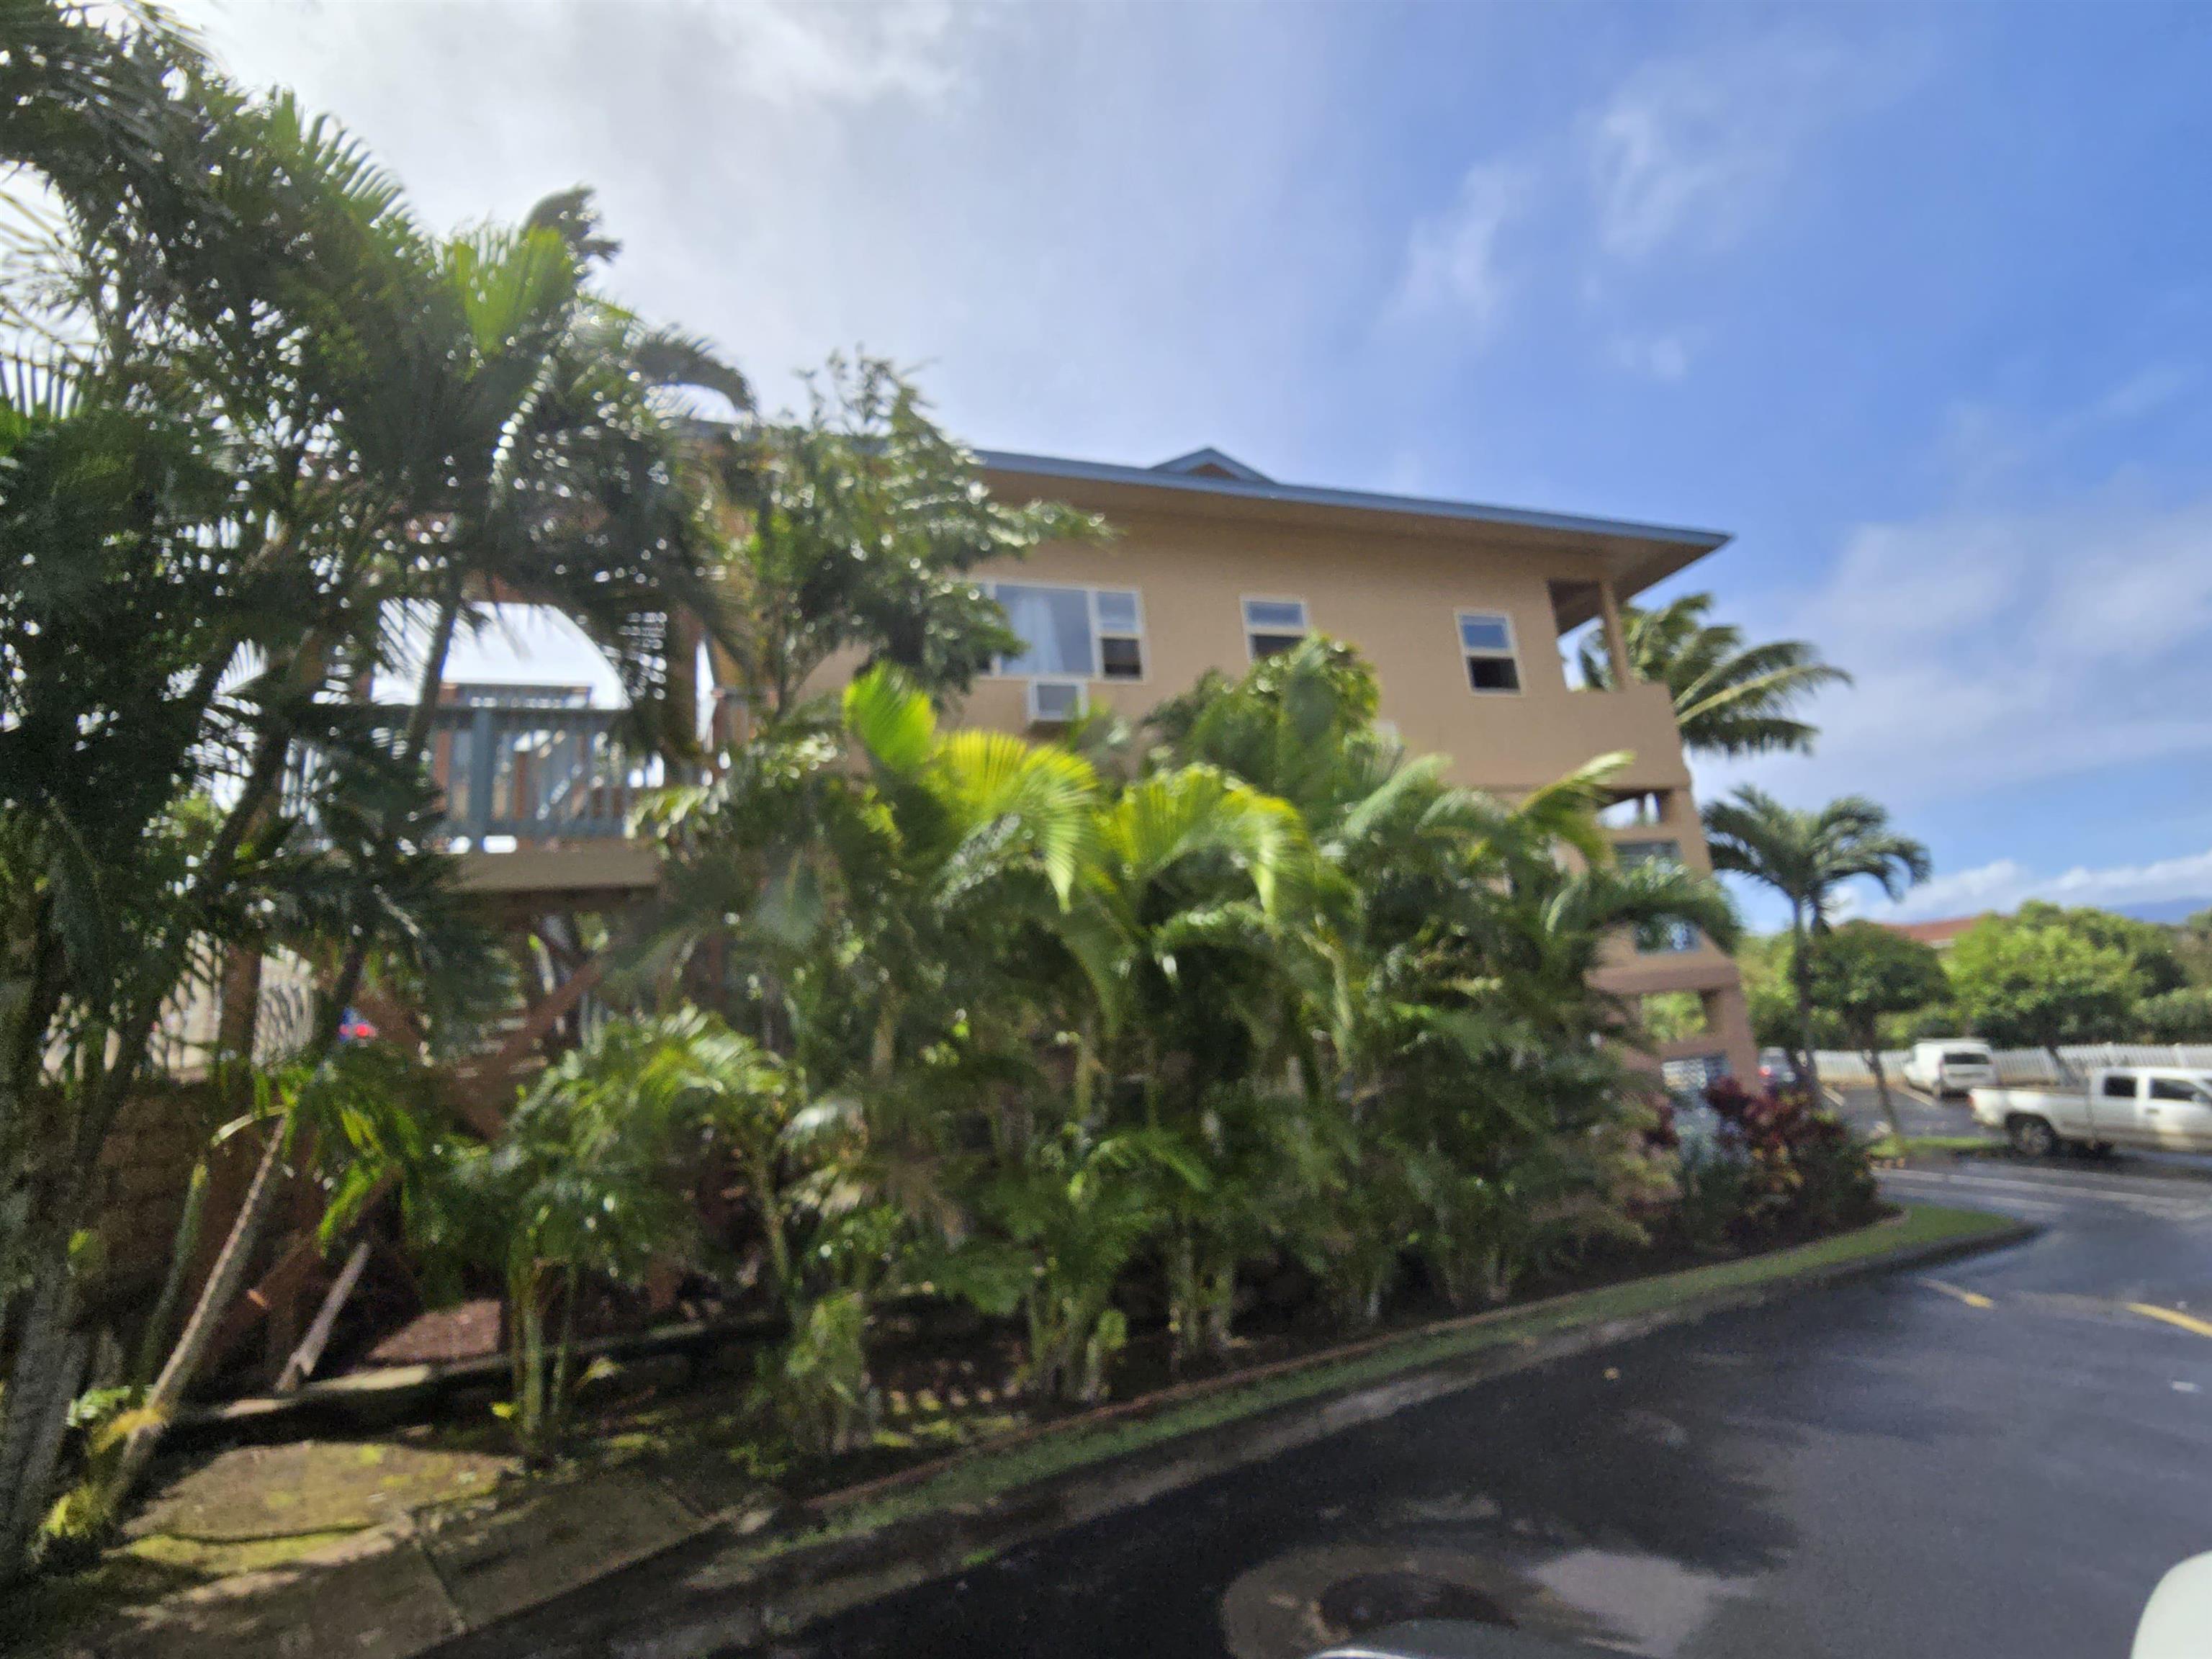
{"x":1371,"y":1601}
{"x":1309,"y":1599}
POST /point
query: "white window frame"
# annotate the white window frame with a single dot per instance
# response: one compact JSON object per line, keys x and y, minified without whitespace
{"x":1468,"y":653}
{"x":1098,"y":634}
{"x":1243,"y":616}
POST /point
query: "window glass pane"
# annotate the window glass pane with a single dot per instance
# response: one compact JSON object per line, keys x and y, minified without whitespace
{"x":1965,"y":1057}
{"x":1276,"y":615}
{"x":1056,"y":623}
{"x":1630,"y":854}
{"x":1632,"y":810}
{"x":1267,"y":645}
{"x":1485,"y":633}
{"x":1122,"y":659}
{"x":2172,"y":1088}
{"x":1118,"y":613}
{"x":2120,"y":1086}
{"x":1493,"y":674}
{"x":1665,"y":938}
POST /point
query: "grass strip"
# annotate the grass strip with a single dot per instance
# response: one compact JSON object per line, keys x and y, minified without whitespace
{"x":983,"y":1474}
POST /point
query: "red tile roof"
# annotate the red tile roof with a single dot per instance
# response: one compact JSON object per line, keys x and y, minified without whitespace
{"x":1938,"y":933}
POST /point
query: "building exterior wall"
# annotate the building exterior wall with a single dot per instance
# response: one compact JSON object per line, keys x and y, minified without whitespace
{"x":1394,"y":591}
{"x":1397,"y":600}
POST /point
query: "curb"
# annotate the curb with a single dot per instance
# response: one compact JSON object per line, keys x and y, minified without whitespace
{"x":725,"y":1586}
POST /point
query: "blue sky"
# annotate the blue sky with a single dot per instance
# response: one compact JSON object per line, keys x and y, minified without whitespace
{"x":1914,"y":301}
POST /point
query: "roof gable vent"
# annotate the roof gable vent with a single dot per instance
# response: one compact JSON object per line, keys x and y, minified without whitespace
{"x":1212,"y":463}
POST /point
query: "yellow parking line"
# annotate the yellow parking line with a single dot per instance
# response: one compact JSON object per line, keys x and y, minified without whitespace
{"x":2202,"y":1328}
{"x":1976,"y":1299}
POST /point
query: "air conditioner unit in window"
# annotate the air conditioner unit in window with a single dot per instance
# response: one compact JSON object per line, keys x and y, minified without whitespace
{"x":1055,"y":702}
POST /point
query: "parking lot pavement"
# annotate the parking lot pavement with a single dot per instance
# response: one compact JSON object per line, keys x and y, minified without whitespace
{"x":1920,"y":1115}
{"x":1993,"y":1460}
{"x":1860,"y":1107}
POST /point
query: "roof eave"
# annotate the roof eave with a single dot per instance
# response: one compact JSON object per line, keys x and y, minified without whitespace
{"x":1055,"y":467}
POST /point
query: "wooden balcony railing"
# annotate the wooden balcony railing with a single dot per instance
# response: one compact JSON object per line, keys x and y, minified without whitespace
{"x":536,"y":774}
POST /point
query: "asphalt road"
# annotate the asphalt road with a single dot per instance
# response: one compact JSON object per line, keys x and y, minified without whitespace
{"x":1996,"y":1459}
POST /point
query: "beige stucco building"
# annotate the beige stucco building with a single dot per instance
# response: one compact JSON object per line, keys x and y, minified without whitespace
{"x":1459,"y":607}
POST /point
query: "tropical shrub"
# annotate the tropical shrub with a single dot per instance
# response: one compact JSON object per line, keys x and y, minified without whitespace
{"x":588,"y":1186}
{"x":1715,"y":1192}
{"x":815,"y":1389}
{"x":1800,"y":1168}
{"x":1068,"y":1223}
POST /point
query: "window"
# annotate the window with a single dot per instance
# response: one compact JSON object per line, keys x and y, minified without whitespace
{"x":2119,"y":1086}
{"x":1272,"y":625}
{"x":1657,"y":938}
{"x":1637,"y":812}
{"x":2177,"y":1088}
{"x":1965,"y":1057}
{"x":1692,"y":1074}
{"x":1081,"y":633}
{"x":1120,"y":620}
{"x":1487,"y":640}
{"x":1665,"y":938}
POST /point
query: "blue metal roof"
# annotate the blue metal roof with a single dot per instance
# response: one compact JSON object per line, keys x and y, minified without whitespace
{"x":1172,"y":475}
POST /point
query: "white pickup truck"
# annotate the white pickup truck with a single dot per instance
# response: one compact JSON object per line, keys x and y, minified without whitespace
{"x":2154,"y":1108}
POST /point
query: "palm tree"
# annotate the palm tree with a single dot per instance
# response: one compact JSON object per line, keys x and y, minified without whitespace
{"x":1807,"y":858}
{"x":1438,"y":971}
{"x":1729,"y":698}
{"x":509,"y":419}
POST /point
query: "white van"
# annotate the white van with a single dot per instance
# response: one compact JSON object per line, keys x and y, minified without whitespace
{"x":1951,"y":1066}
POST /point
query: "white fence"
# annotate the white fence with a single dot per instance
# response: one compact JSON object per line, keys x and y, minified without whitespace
{"x":2028,"y":1065}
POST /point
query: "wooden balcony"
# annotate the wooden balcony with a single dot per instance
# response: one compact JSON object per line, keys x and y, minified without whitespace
{"x":539,"y":799}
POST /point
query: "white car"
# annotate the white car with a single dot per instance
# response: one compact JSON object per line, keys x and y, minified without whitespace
{"x":1951,"y":1066}
{"x":2154,"y":1107}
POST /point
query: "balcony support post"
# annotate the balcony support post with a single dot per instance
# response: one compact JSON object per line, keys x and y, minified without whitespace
{"x":481,"y":762}
{"x":1616,"y":637}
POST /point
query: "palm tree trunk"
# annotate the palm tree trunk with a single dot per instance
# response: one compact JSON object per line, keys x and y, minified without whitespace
{"x":1800,"y":975}
{"x":530,"y":1407}
{"x":761,"y":1171}
{"x":50,"y":1357}
{"x":228,"y":1277}
{"x":1888,"y":1106}
{"x":225,"y":1280}
{"x":1183,"y":1300}
{"x":1221,"y":1311}
{"x":184,"y":1244}
{"x":563,"y":1348}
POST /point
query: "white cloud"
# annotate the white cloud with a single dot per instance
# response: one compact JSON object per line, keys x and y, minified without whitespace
{"x":1452,"y":261}
{"x":1075,"y":222}
{"x":1687,"y":147}
{"x":2005,"y":883}
{"x":789,"y":52}
{"x":785,"y":52}
{"x":1995,"y":648}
